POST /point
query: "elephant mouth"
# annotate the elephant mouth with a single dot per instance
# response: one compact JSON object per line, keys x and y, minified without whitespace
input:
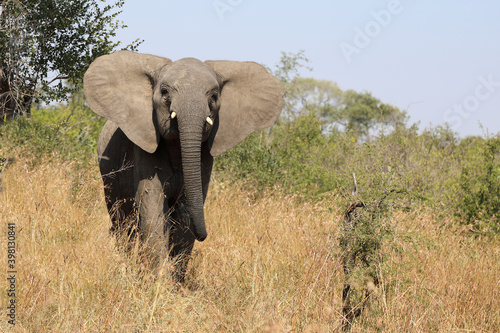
{"x":168,"y":128}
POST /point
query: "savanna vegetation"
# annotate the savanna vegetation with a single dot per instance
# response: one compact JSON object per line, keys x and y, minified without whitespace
{"x":46,"y":46}
{"x":341,"y":216}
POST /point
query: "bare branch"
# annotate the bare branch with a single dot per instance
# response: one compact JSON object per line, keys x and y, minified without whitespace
{"x":67,"y":129}
{"x":111,"y":174}
{"x":355,"y":189}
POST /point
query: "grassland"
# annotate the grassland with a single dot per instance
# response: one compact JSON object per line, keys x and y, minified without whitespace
{"x":271,"y":263}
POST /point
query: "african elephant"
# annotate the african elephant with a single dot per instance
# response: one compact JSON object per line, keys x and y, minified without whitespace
{"x":166,"y":121}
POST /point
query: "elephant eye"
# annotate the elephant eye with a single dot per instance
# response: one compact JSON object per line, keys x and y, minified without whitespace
{"x":165,"y":96}
{"x":214,"y":97}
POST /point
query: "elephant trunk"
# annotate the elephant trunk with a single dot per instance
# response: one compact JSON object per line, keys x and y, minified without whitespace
{"x":191,"y":132}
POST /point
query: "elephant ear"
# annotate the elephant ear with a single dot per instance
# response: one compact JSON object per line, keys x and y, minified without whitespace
{"x":118,"y":86}
{"x":251,"y":99}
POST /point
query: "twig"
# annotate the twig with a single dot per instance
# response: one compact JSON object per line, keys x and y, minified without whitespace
{"x":67,"y":129}
{"x":355,"y":190}
{"x":125,"y":166}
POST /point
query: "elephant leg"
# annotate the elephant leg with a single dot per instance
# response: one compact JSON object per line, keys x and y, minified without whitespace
{"x":181,"y":238}
{"x":151,"y":207}
{"x":151,"y":201}
{"x":116,"y":166}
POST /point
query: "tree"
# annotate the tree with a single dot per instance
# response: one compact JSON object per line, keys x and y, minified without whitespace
{"x":348,"y":110}
{"x":44,"y":42}
{"x":362,"y":112}
{"x":312,"y":95}
{"x":287,"y":71}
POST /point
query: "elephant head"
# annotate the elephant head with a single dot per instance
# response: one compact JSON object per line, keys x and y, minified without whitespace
{"x":152,"y":98}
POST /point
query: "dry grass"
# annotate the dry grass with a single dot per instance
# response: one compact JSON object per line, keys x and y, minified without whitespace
{"x":269,"y":265}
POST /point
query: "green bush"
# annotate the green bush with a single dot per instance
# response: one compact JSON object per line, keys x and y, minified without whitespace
{"x":478,"y":201}
{"x":69,"y":131}
{"x":288,"y":156}
{"x":251,"y":161}
{"x":299,"y":148}
{"x":455,"y":176}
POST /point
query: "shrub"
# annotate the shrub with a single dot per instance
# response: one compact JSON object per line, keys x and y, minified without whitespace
{"x":252,"y":161}
{"x":478,"y":201}
{"x":69,"y":131}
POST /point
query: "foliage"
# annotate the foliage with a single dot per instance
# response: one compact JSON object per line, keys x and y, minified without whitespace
{"x":310,"y":95}
{"x":367,"y":226}
{"x":298,"y":146}
{"x":287,"y":70}
{"x":309,"y":154}
{"x":290,"y":64}
{"x":298,"y":157}
{"x":45,"y":42}
{"x":478,"y":201}
{"x":69,"y":132}
{"x":280,"y":159}
{"x":361,"y":112}
{"x":252,"y":161}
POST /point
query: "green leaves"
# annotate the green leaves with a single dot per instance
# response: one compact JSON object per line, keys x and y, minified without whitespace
{"x":362,"y":113}
{"x":349,"y":111}
{"x":46,"y":42}
{"x":478,"y":201}
{"x":70,"y":131}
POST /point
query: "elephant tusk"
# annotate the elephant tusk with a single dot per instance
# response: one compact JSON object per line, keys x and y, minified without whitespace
{"x":210,"y":121}
{"x":173,"y":115}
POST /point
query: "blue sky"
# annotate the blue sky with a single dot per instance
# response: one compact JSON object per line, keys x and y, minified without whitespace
{"x":439,"y":60}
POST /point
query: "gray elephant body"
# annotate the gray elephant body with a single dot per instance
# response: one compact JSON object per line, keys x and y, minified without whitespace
{"x":162,"y":192}
{"x":166,"y":121}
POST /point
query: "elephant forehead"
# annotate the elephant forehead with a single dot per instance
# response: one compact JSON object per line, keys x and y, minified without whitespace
{"x":188,"y":71}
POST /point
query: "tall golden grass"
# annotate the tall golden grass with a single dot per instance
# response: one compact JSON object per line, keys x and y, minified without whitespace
{"x":269,"y":265}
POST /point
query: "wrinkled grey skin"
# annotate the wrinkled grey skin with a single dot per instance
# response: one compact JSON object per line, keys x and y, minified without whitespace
{"x":156,"y":149}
